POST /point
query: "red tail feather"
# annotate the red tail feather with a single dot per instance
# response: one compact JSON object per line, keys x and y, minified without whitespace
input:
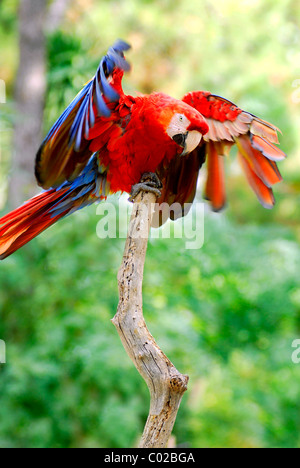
{"x":26,"y":222}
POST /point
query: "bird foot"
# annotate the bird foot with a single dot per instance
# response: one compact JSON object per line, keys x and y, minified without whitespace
{"x":149,"y":183}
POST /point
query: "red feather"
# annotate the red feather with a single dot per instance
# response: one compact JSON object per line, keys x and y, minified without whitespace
{"x":105,"y":141}
{"x":264,"y":193}
{"x":215,"y":184}
{"x":26,"y":222}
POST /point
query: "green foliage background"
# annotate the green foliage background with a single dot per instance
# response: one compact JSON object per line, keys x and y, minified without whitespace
{"x":226,"y":314}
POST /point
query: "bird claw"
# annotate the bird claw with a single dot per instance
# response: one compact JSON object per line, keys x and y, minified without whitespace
{"x":151,"y":178}
{"x":149,"y":183}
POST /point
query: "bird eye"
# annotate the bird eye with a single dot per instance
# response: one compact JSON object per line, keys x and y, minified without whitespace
{"x":181,"y":118}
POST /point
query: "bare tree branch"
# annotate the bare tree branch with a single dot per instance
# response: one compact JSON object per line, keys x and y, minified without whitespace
{"x":166,"y":384}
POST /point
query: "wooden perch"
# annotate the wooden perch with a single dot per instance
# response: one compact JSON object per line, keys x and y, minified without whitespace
{"x":166,"y":384}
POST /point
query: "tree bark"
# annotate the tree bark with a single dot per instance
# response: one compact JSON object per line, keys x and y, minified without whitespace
{"x":166,"y":384}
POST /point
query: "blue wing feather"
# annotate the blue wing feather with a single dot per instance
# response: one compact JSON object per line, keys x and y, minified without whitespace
{"x":88,"y":186}
{"x":65,"y":150}
{"x":68,"y":110}
{"x":95,"y":88}
{"x":98,"y":88}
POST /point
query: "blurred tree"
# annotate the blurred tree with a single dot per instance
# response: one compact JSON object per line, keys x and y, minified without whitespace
{"x":34,"y":21}
{"x":56,"y":14}
{"x":226,"y":314}
{"x":30,"y":90}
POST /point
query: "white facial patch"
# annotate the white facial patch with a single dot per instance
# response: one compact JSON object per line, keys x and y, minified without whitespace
{"x":178,"y":126}
{"x":179,"y":123}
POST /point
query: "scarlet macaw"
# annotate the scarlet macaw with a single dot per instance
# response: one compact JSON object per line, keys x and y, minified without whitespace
{"x":105,"y":141}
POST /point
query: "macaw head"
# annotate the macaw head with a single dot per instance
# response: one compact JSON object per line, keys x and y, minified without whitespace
{"x":184,"y":125}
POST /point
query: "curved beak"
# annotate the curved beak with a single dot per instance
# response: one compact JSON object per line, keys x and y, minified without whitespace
{"x":192,"y":140}
{"x":197,"y":128}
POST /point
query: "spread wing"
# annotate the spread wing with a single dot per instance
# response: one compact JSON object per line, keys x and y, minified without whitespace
{"x":255,"y":139}
{"x":66,"y":149}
